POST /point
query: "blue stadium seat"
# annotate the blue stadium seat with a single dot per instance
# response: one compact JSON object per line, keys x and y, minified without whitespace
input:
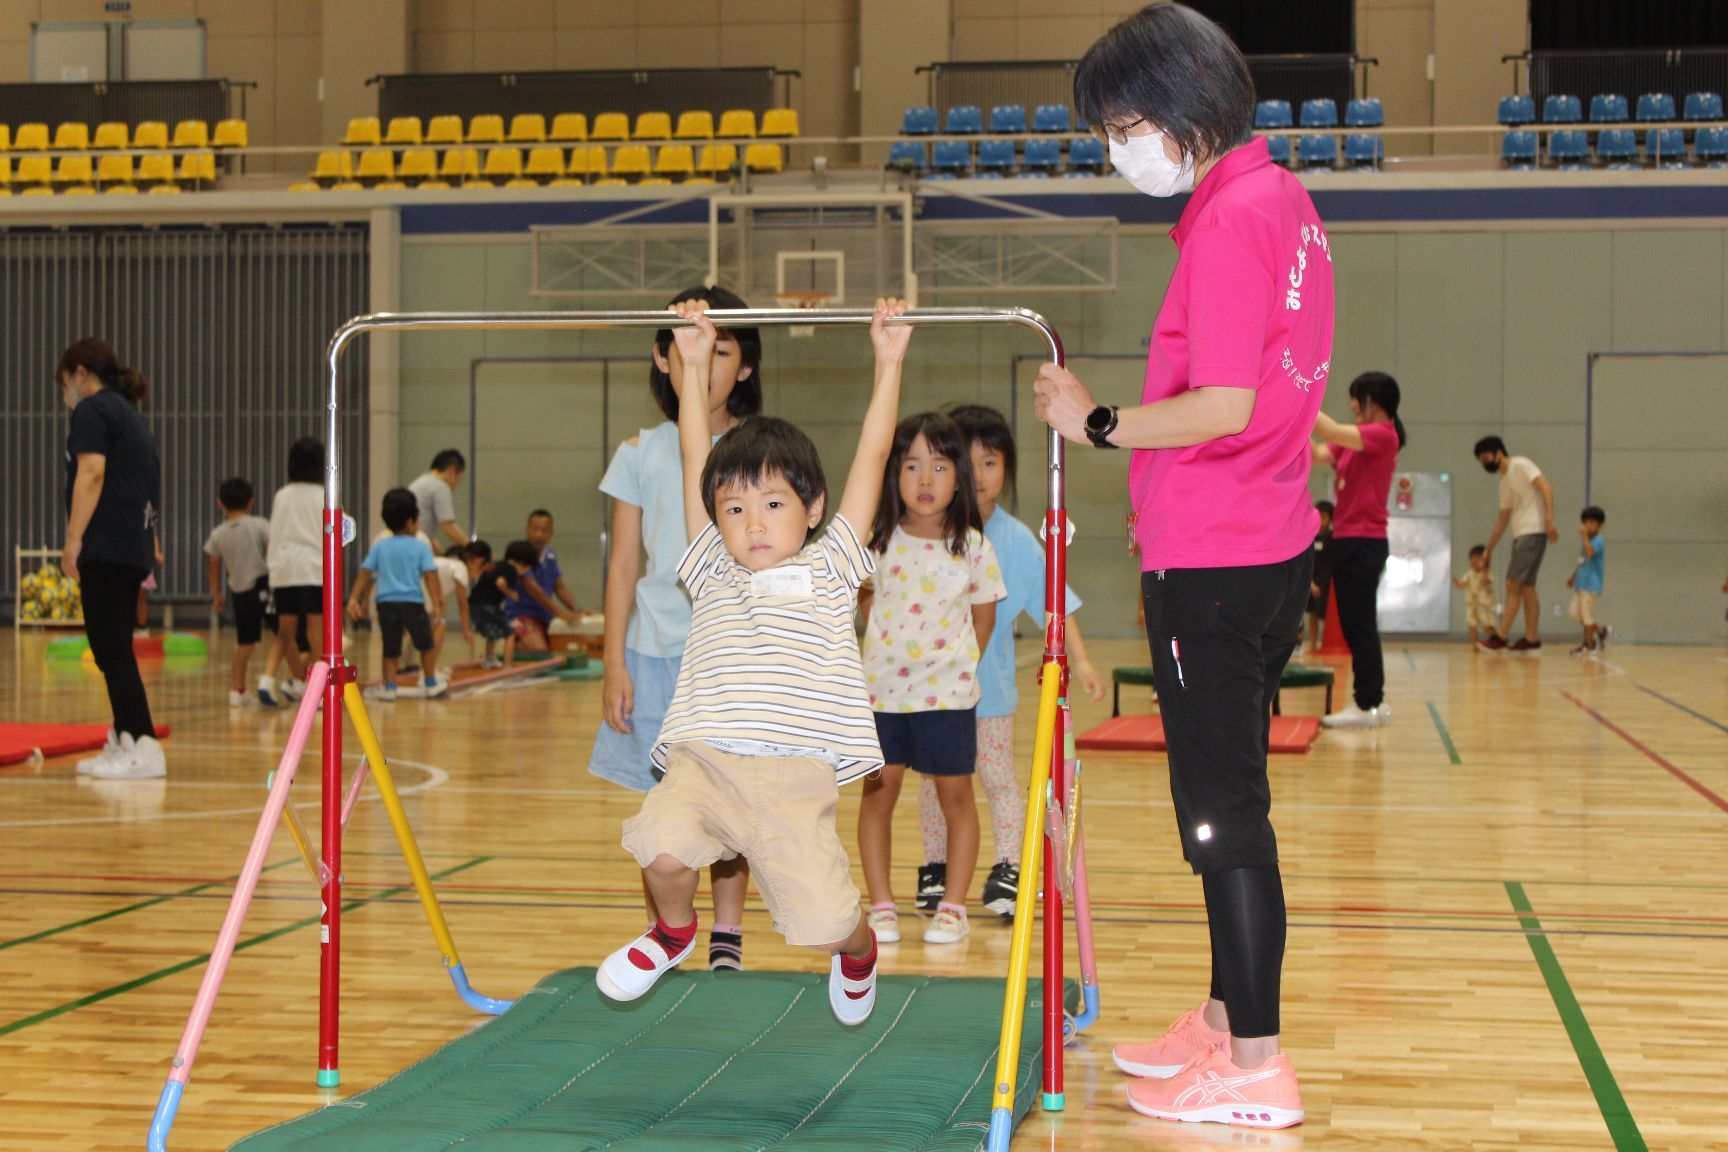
{"x":1051,"y":118}
{"x":964,"y":120}
{"x":952,"y":156}
{"x":1041,"y":156}
{"x":1516,"y":110}
{"x":1278,"y":148}
{"x":1562,"y":110}
{"x":1569,"y":149}
{"x":1607,"y":108}
{"x":918,"y":122}
{"x":1711,"y":147}
{"x":1703,"y":106}
{"x":1364,"y":113}
{"x":1317,"y":151}
{"x":1319,"y":113}
{"x":1617,"y":147}
{"x":1273,"y":114}
{"x":1086,"y":155}
{"x":1364,"y":149}
{"x":995,"y":156}
{"x":1008,"y":118}
{"x":906,"y":154}
{"x":1518,"y":149}
{"x":1655,"y":106}
{"x":1667,"y":147}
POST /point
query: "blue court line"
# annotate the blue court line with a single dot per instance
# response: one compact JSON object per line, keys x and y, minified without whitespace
{"x":1694,"y":713}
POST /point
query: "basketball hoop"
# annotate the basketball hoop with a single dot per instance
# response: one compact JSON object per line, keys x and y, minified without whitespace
{"x":802,"y":300}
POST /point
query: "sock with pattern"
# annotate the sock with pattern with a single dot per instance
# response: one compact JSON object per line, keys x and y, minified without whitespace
{"x":726,"y":948}
{"x":673,"y":940}
{"x":860,"y":968}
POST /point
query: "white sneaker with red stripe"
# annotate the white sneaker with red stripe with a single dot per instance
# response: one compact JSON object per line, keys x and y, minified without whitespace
{"x":852,"y":1000}
{"x":629,"y":972}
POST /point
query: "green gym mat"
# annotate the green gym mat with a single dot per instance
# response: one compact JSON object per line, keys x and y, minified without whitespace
{"x":717,"y":1062}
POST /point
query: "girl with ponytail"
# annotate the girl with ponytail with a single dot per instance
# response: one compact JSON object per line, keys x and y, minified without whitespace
{"x":1364,"y":455}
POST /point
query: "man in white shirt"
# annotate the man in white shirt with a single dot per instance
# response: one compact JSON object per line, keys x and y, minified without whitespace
{"x":1527,"y":505}
{"x":434,"y":490}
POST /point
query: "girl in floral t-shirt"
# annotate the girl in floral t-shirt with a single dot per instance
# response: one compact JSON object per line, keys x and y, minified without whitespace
{"x":936,"y":588}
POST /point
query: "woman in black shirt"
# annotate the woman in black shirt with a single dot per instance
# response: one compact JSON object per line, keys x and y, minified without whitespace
{"x":113,"y":495}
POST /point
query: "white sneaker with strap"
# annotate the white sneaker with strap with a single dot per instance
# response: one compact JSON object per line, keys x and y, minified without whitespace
{"x":629,"y":972}
{"x":949,"y":926}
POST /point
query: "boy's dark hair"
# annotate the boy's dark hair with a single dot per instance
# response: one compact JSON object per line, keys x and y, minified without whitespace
{"x":746,"y":397}
{"x":521,"y":552}
{"x":401,"y":508}
{"x":1478,"y":550}
{"x":306,"y":461}
{"x":1325,"y":506}
{"x":1490,"y":444}
{"x":757,"y":449}
{"x":447,"y":459}
{"x":235,"y":493}
{"x":988,"y":428}
{"x":1593,"y":513}
{"x":945,"y":440}
{"x":1382,"y":390}
{"x":477,"y":550}
{"x":1177,"y":69}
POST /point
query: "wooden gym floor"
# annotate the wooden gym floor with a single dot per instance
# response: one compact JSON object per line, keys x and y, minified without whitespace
{"x":1508,"y":911}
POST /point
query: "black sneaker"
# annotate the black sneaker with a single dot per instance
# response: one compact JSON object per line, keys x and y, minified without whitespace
{"x":1002,"y":889}
{"x":932,"y":885}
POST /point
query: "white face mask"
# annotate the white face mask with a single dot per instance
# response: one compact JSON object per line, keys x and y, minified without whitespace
{"x":70,"y":394}
{"x":1143,"y":162}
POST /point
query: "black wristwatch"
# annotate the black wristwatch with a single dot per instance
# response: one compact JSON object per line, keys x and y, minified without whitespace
{"x":1100,"y":422}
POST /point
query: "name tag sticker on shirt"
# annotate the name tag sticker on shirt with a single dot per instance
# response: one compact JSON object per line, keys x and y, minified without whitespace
{"x":786,"y":580}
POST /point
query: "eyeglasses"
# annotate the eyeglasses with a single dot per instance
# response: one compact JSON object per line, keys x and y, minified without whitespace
{"x":1117,"y":133}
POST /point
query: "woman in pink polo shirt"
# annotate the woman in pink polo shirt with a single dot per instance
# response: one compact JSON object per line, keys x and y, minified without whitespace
{"x":1365,"y":454}
{"x":1218,"y":474}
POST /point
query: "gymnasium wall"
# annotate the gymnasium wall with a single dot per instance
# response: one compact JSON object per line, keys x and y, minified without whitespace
{"x":1487,"y":332}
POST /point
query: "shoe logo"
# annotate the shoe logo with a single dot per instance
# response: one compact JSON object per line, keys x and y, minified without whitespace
{"x":1209,"y":1087}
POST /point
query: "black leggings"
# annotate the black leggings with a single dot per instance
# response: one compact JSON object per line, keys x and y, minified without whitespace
{"x":1356,"y":569}
{"x":110,"y":594}
{"x":1245,"y":915}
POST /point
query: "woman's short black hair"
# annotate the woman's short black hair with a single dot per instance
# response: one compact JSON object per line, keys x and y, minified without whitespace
{"x":759,"y":448}
{"x":988,"y":428}
{"x":1176,"y":68}
{"x":746,"y":398}
{"x":945,"y":440}
{"x":400,"y":509}
{"x":306,"y":461}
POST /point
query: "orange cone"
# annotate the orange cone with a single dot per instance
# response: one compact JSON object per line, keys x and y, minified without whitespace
{"x":1332,"y":637}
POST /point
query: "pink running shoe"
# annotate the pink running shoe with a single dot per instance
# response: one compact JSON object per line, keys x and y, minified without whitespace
{"x":1213,"y":1089}
{"x":1187,"y":1038}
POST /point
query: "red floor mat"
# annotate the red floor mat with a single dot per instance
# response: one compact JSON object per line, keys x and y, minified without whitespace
{"x":1146,"y":734}
{"x":17,"y":741}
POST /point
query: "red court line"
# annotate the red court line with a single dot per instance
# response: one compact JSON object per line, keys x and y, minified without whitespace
{"x":1678,"y":773}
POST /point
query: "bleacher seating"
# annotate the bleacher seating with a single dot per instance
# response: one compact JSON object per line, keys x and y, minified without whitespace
{"x":198,"y":168}
{"x":1042,"y":156}
{"x":74,"y":170}
{"x":486,"y":129}
{"x":766,"y":158}
{"x":1278,"y":149}
{"x":1655,"y":106}
{"x":1570,"y":149}
{"x":1617,"y":147}
{"x":111,"y":135}
{"x":191,"y":134}
{"x":502,"y":164}
{"x":1363,"y":149}
{"x":779,"y":123}
{"x":545,"y":163}
{"x":155,"y":168}
{"x":362,"y":131}
{"x":150,"y":134}
{"x":1008,"y":119}
{"x":1562,"y":110}
{"x":1711,"y":147}
{"x":1666,"y":148}
{"x":231,"y":134}
{"x":610,"y":126}
{"x":964,"y":120}
{"x":1519,"y":149}
{"x":632,"y":160}
{"x":1703,"y":106}
{"x":1051,"y":118}
{"x":675,"y":160}
{"x":1608,"y":108}
{"x":115,"y":169}
{"x":919,"y":121}
{"x":1273,"y":114}
{"x":403,"y":132}
{"x":1364,"y":113}
{"x":1319,"y":113}
{"x":1317,"y":151}
{"x":1086,"y":156}
{"x":71,"y":137}
{"x":695,"y":126}
{"x":444,"y":130}
{"x":31,"y":138}
{"x":376,"y":164}
{"x":951,"y":157}
{"x":717,"y":159}
{"x":653,"y":126}
{"x":1517,"y":110}
{"x":527,"y":128}
{"x":995,"y":156}
{"x":569,"y":128}
{"x":418,"y":165}
{"x":909,"y":155}
{"x":737,"y":124}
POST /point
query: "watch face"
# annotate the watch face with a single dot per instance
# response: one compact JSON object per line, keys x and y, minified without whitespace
{"x":1098,"y":419}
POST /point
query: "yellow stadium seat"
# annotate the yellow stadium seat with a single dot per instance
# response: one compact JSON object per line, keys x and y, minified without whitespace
{"x":192,"y":134}
{"x":74,"y":170}
{"x":631,"y":160}
{"x":114,"y":170}
{"x":437,"y":185}
{"x":390,"y":186}
{"x":304,"y":186}
{"x":545,"y":163}
{"x":695,"y":126}
{"x":5,"y":191}
{"x":477,"y":184}
{"x":403,"y":131}
{"x":5,"y":171}
{"x":780,"y":122}
{"x":348,"y":186}
{"x":444,"y":130}
{"x":764,"y":158}
{"x":71,"y":136}
{"x":150,"y":134}
{"x":79,"y":190}
{"x":376,"y":164}
{"x":486,"y":130}
{"x":521,"y":182}
{"x":459,"y":164}
{"x":231,"y":134}
{"x":38,"y":190}
{"x":333,"y":166}
{"x":31,"y":138}
{"x":198,"y":168}
{"x":34,"y":170}
{"x":653,"y":126}
{"x":737,"y":123}
{"x":418,"y":164}
{"x":363,"y":131}
{"x":502,"y":164}
{"x":657,"y":181}
{"x":569,"y":127}
{"x":610,"y":182}
{"x":589,"y":161}
{"x":527,"y":128}
{"x":129,"y":189}
{"x":565,"y":182}
{"x":675,"y":160}
{"x":165,"y":190}
{"x":112,"y":134}
{"x":608,"y":126}
{"x":5,"y":137}
{"x":155,"y":167}
{"x":717,"y":159}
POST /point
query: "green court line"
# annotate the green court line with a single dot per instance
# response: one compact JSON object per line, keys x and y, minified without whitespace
{"x":1410,"y":660}
{"x":138,"y":907}
{"x":175,"y":969}
{"x":1445,"y":736}
{"x":1621,"y":1126}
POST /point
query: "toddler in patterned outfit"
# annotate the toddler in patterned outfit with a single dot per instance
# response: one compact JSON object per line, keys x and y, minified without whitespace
{"x":1478,"y":585}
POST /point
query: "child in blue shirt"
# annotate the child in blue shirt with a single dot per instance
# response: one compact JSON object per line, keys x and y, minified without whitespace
{"x":407,"y":579}
{"x":1586,"y":581}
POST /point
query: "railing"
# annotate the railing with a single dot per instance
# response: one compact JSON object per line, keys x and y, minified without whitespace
{"x":128,"y":101}
{"x":1629,"y":72}
{"x":630,"y":91}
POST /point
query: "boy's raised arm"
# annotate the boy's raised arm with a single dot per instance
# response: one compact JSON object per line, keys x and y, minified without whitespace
{"x":695,"y":349}
{"x":876,"y":435}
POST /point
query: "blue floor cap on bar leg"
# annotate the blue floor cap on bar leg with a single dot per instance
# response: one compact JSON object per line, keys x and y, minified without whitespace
{"x":1092,"y":1010}
{"x":1001,"y":1130}
{"x":166,"y":1107}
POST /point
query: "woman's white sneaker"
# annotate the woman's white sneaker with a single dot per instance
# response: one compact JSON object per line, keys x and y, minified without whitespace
{"x":1353,"y":717}
{"x":139,"y":760}
{"x":949,"y":926}
{"x":111,"y":750}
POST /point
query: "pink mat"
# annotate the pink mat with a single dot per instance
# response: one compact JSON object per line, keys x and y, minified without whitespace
{"x":17,"y":741}
{"x":1146,"y":734}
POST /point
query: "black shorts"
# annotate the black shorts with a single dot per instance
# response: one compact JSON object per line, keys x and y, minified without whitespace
{"x":297,"y":600}
{"x":250,"y":605}
{"x":394,"y":617}
{"x":934,"y":743}
{"x":489,"y":621}
{"x":1220,"y":638}
{"x":1317,"y":603}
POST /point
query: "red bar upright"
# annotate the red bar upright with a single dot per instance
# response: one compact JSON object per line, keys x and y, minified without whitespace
{"x":330,"y":925}
{"x":1056,"y":648}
